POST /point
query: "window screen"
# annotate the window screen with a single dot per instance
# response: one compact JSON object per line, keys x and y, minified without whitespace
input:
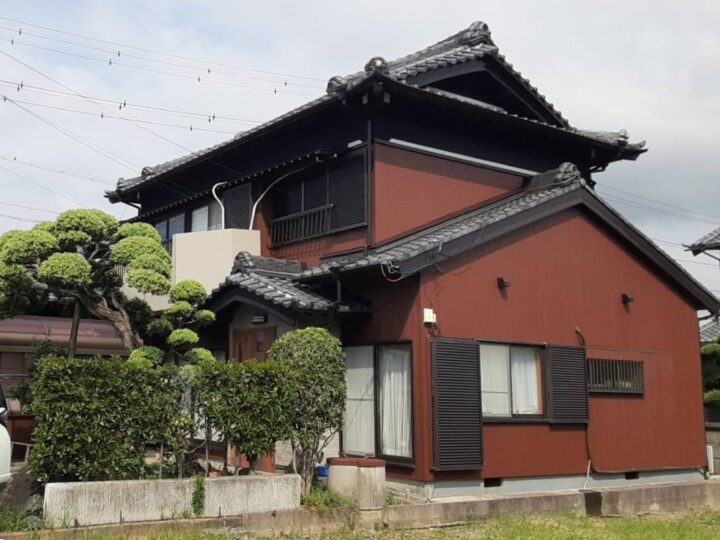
{"x":615,"y":376}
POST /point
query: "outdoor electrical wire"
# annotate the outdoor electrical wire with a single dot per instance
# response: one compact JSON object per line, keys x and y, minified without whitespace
{"x":123,"y":104}
{"x":196,"y":78}
{"x":103,"y":116}
{"x":105,"y":153}
{"x":98,"y":40}
{"x":29,"y":208}
{"x":41,"y":186}
{"x":72,"y":174}
{"x":120,"y":54}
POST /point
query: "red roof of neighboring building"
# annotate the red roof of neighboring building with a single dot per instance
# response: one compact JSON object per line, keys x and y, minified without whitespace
{"x":94,"y":337}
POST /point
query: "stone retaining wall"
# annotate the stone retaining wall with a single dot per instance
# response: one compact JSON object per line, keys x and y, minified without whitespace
{"x":75,"y":504}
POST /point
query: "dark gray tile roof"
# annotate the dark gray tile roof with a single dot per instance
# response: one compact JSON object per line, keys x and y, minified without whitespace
{"x":272,"y":280}
{"x":469,"y":44}
{"x":709,"y":331}
{"x":564,"y":180}
{"x":710,"y":241}
{"x":149,"y":173}
{"x":245,"y":262}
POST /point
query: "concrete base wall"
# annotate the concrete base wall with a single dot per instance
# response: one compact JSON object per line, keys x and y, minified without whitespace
{"x":95,"y":503}
{"x":476,"y":488}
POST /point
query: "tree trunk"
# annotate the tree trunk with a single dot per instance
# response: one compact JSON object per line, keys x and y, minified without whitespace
{"x":118,"y":319}
{"x":74,"y":329}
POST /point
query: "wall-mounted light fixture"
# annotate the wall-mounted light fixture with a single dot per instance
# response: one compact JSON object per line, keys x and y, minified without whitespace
{"x":259,"y":319}
{"x":627,"y":299}
{"x":503,"y":283}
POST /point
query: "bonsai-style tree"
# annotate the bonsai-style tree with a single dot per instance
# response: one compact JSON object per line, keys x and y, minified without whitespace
{"x":177,"y":327}
{"x":75,"y":258}
{"x":316,"y":374}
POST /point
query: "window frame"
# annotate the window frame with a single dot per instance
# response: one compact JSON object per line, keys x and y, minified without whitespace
{"x":394,"y":461}
{"x":192,"y":209}
{"x":633,"y":391}
{"x":542,"y":395}
{"x":166,"y":240}
{"x":326,"y":167}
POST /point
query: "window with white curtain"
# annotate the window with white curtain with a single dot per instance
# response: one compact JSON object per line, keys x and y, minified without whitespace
{"x":359,"y":430}
{"x":388,"y":369}
{"x":511,"y":380}
{"x":395,"y":403}
{"x":206,"y":218}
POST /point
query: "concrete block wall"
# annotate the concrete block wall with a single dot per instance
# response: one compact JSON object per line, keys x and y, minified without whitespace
{"x":73,"y":504}
{"x":712,"y":438}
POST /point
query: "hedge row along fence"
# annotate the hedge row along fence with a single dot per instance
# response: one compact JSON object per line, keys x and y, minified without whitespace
{"x":96,"y":417}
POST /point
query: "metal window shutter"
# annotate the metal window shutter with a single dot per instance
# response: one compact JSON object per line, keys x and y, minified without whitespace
{"x":568,"y":392}
{"x":347,"y":191}
{"x":457,"y":407}
{"x":238,"y":203}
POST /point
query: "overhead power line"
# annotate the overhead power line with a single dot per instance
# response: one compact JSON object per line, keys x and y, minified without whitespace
{"x":105,"y":153}
{"x":102,"y":116}
{"x":657,"y":201}
{"x":65,"y":172}
{"x":120,"y":54}
{"x":124,"y":104}
{"x":159,"y":53}
{"x":42,"y":186}
{"x":20,"y":218}
{"x":184,"y":191}
{"x":660,"y":211}
{"x":194,"y":78}
{"x":28,"y":208}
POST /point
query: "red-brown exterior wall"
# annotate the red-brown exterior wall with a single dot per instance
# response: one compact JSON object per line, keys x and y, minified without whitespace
{"x":397,"y":318}
{"x":568,"y":274}
{"x":411,"y":190}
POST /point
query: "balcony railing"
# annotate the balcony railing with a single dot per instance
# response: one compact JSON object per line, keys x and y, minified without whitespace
{"x":301,"y":226}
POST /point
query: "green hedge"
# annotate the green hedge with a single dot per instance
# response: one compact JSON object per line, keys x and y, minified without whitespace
{"x":94,"y":417}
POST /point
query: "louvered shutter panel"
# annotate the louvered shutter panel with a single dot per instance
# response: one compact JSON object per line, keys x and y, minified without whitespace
{"x":568,"y":394}
{"x":238,"y":203}
{"x":347,"y":191}
{"x":457,"y":406}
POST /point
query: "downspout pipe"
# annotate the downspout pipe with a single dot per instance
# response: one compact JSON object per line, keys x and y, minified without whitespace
{"x":319,"y":157}
{"x":222,"y":206}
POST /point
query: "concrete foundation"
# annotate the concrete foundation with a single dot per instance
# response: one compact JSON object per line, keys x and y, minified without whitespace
{"x":476,"y":488}
{"x":360,"y":479}
{"x":75,"y":504}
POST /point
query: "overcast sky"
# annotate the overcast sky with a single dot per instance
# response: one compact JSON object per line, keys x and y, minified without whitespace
{"x":652,"y":68}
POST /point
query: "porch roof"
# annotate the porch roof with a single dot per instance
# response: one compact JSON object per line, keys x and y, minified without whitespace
{"x":271,"y":281}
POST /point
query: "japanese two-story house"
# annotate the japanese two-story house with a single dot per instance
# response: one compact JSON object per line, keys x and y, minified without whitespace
{"x":505,"y":328}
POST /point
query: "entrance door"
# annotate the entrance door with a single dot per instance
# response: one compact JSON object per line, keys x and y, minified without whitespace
{"x":252,"y":343}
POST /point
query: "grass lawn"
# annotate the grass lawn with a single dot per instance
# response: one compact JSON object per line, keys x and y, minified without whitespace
{"x":692,"y":525}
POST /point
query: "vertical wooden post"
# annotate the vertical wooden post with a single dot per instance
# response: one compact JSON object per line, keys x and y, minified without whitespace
{"x":74,"y":330}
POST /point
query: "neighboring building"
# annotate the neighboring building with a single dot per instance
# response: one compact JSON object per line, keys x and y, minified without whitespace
{"x":709,"y":331}
{"x":505,"y":328}
{"x":709,"y":242}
